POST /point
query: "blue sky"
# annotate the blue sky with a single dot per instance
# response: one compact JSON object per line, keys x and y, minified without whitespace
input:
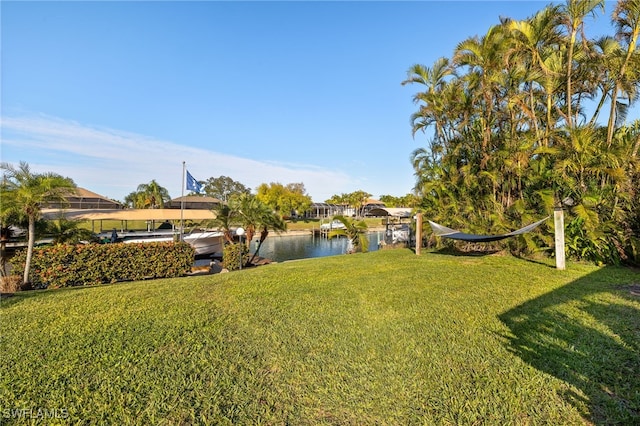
{"x":115,"y":94}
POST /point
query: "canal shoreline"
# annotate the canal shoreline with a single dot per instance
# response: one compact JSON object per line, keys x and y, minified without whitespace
{"x":297,"y":232}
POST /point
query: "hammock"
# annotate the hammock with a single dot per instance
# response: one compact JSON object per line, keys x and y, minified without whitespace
{"x":443,"y":231}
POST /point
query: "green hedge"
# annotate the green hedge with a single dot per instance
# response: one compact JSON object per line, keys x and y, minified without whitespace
{"x":75,"y":265}
{"x":231,"y":256}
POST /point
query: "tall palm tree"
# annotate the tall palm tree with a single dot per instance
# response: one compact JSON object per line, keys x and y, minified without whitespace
{"x":434,"y":79}
{"x":626,"y":17}
{"x":25,"y":193}
{"x":574,"y":14}
{"x":483,"y":58}
{"x":535,"y":46}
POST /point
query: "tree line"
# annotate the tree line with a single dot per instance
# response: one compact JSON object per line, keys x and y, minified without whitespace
{"x":286,"y":199}
{"x":529,"y":117}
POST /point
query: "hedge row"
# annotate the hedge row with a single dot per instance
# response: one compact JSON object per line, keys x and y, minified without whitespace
{"x":75,"y":265}
{"x":231,"y":255}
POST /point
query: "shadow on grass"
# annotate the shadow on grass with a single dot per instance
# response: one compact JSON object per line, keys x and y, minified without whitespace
{"x":9,"y":299}
{"x":471,"y":252}
{"x":586,"y":334}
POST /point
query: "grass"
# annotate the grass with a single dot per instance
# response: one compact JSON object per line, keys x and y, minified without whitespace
{"x":379,"y":338}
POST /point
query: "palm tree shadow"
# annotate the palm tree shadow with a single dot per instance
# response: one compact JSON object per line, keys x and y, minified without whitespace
{"x":595,"y":349}
{"x":452,"y":251}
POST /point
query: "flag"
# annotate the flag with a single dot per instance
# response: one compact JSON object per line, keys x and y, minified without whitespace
{"x":193,"y":184}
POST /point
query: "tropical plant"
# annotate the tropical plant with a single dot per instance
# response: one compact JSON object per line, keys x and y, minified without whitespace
{"x":224,"y":221}
{"x":511,"y":137}
{"x":355,"y":231}
{"x":25,"y":193}
{"x":65,"y":231}
{"x":255,"y":216}
{"x":356,"y":200}
{"x":148,"y":196}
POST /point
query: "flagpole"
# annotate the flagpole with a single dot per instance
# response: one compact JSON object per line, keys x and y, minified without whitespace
{"x":182,"y":202}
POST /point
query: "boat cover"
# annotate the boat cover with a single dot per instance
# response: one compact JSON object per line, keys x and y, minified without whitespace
{"x":443,"y":231}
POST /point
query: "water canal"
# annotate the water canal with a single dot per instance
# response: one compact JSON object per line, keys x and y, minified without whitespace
{"x":291,"y":247}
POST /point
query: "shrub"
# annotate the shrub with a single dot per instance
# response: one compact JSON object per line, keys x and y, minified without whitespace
{"x":10,"y":284}
{"x":74,"y":265}
{"x":231,"y":256}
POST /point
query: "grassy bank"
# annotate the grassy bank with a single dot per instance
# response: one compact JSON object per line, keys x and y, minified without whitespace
{"x":378,"y":338}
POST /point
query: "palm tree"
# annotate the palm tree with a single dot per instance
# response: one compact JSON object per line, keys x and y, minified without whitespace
{"x":355,"y":231}
{"x":25,"y":193}
{"x":224,"y":220}
{"x":65,"y":231}
{"x":357,"y":200}
{"x":270,"y":220}
{"x":253,"y":215}
{"x":148,"y":196}
{"x":434,"y":79}
{"x":574,"y":13}
{"x":626,"y":17}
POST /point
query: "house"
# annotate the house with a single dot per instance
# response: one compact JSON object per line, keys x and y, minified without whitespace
{"x":83,"y":199}
{"x":364,"y":210}
{"x":193,"y":202}
{"x":323,"y":210}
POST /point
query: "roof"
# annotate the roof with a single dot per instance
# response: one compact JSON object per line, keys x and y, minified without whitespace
{"x":129,"y":214}
{"x":196,"y":199}
{"x":85,"y":193}
{"x":391,"y":211}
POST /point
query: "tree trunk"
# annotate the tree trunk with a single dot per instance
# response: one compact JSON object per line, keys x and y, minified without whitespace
{"x":3,"y":258}
{"x":30,"y":244}
{"x":263,"y":236}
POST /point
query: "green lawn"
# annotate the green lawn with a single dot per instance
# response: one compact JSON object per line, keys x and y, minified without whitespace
{"x":379,"y":338}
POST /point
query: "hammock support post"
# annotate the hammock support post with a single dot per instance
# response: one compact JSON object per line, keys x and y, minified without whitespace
{"x":558,"y":221}
{"x":418,"y":234}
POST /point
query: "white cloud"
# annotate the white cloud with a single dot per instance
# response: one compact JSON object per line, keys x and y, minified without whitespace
{"x":113,"y":162}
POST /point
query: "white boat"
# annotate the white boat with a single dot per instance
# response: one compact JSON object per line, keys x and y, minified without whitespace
{"x":206,"y":242}
{"x":336,"y":224}
{"x":401,"y":234}
{"x":203,"y":242}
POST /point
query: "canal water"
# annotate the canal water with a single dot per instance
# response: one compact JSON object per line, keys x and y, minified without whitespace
{"x":281,"y":248}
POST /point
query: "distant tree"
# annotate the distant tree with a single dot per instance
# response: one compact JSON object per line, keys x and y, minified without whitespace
{"x":355,"y":231}
{"x":23,"y":195}
{"x":341,"y":199}
{"x":224,"y":187}
{"x":357,"y":200}
{"x":408,"y":200}
{"x":284,"y":199}
{"x":148,"y":196}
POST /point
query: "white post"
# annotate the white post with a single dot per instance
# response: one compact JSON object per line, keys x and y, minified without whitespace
{"x":240,"y":233}
{"x":418,"y":234}
{"x":558,"y":220}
